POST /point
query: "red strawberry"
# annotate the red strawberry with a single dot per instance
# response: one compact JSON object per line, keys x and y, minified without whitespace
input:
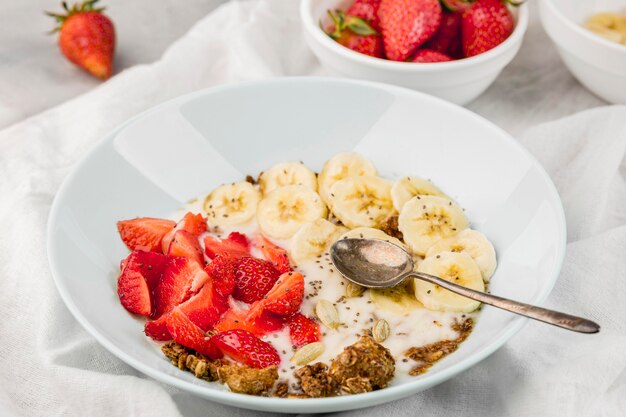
{"x":486,"y":24}
{"x":254,"y":320}
{"x":157,"y":329}
{"x":192,"y":223}
{"x":87,"y":38}
{"x":407,"y":24}
{"x":246,"y":348}
{"x":253,"y":279}
{"x":356,"y":34}
{"x":276,"y":255}
{"x":428,"y":55}
{"x":447,"y":40}
{"x":186,"y":333}
{"x":181,"y":279}
{"x":144,"y":233}
{"x":236,"y":245}
{"x":366,"y":10}
{"x":286,"y":296}
{"x":185,"y":244}
{"x":456,"y":5}
{"x":303,"y":330}
{"x":222,"y":271}
{"x":141,"y":272}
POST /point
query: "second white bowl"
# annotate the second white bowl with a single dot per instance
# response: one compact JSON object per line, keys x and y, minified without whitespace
{"x":458,"y":81}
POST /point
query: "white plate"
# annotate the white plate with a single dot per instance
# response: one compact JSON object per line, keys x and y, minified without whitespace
{"x":182,"y":149}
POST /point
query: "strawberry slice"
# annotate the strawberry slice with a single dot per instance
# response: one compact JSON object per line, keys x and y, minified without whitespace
{"x":192,"y":223}
{"x":222,"y":271}
{"x":157,"y":329}
{"x":246,"y":348}
{"x":236,"y":245}
{"x":144,"y":233}
{"x":286,"y":296}
{"x":303,"y":330}
{"x":253,"y":279}
{"x":254,"y":320}
{"x":186,"y":333}
{"x":141,"y":272}
{"x":206,"y":307}
{"x":275,"y":254}
{"x":182,"y":278}
{"x":186,"y":245}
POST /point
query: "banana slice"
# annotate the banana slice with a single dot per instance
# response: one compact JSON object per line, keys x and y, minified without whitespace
{"x":475,"y":244}
{"x":232,"y":204}
{"x":458,"y":268}
{"x":426,"y":219}
{"x":361,"y":201}
{"x":287,"y":173}
{"x":399,"y":300}
{"x":371,"y":233}
{"x":283,"y":211}
{"x":313,"y":239}
{"x":408,"y":187}
{"x":340,"y":166}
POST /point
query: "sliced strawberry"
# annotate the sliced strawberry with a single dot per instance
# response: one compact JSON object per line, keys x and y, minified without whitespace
{"x":303,"y":330}
{"x":222,"y":271}
{"x":236,"y":245}
{"x":246,"y":348}
{"x":157,"y":329}
{"x":286,"y":296}
{"x":206,"y":307}
{"x":254,"y":320}
{"x":132,"y":288}
{"x":192,"y":223}
{"x":275,"y":254}
{"x":186,"y":245}
{"x":144,"y":233}
{"x":253,"y":279}
{"x":182,"y":278}
{"x":186,"y":333}
{"x":141,"y":272}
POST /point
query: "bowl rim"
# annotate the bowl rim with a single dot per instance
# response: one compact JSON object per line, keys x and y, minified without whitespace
{"x":580,"y":30}
{"x":321,"y":38}
{"x":309,"y":405}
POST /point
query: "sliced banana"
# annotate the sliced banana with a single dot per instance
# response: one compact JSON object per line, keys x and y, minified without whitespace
{"x":458,"y":268}
{"x":609,"y":25}
{"x":408,"y":187}
{"x":283,"y":211}
{"x":313,"y":239}
{"x":371,"y":233}
{"x":340,"y":166}
{"x":426,"y":219}
{"x":399,"y":300}
{"x":287,"y":173}
{"x":232,"y":204}
{"x":361,"y":201}
{"x":475,"y":244}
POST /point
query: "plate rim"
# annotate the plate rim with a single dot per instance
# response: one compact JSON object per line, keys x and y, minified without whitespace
{"x":310,"y":405}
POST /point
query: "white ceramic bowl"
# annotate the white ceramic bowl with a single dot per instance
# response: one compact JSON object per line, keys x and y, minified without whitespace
{"x":160,"y":159}
{"x":458,"y":81}
{"x":599,"y":64}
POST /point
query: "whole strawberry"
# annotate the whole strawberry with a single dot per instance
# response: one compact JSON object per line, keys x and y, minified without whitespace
{"x":407,"y":24}
{"x":366,"y":10}
{"x":447,"y":39}
{"x":485,"y":25}
{"x":356,"y":34}
{"x":428,"y":55}
{"x":87,"y":37}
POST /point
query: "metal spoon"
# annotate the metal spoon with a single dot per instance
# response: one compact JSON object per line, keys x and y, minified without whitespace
{"x":378,"y":264}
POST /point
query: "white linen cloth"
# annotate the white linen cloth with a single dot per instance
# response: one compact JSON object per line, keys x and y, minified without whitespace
{"x":52,"y":367}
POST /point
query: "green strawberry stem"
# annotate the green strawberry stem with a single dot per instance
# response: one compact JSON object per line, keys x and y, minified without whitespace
{"x":86,"y":6}
{"x":355,"y":24}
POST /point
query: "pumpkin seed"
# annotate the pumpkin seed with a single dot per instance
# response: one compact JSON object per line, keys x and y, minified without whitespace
{"x":308,"y":353}
{"x":327,"y":313}
{"x":380,"y":330}
{"x":354,"y":290}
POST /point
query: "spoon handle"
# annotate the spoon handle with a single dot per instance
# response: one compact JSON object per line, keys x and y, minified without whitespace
{"x":566,"y":321}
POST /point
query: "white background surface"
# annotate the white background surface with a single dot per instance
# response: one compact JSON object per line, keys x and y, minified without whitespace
{"x":51,"y":366}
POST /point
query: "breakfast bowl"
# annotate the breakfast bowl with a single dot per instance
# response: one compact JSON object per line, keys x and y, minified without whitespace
{"x":599,"y":64}
{"x":217,"y":137}
{"x":459,"y":81}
